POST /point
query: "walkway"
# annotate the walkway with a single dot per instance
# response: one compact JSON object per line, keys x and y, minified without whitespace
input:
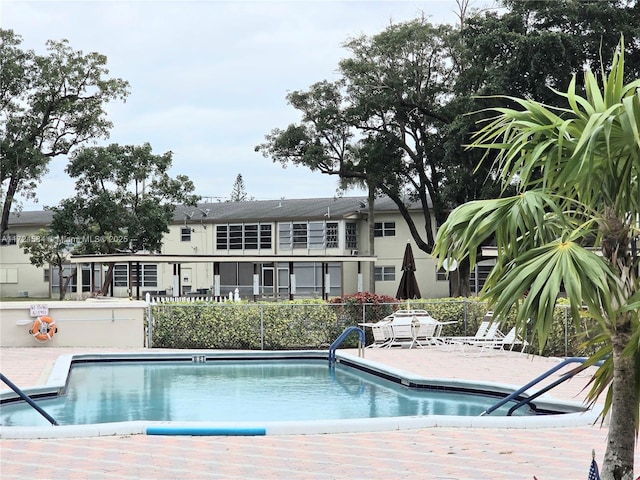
{"x":434,"y":453}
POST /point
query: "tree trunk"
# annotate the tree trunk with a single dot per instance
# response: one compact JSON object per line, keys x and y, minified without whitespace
{"x":63,"y":289}
{"x":63,"y":283}
{"x":618,"y":459}
{"x":459,"y":280}
{"x":104,"y":291}
{"x":62,"y":286}
{"x":372,"y":248}
{"x":8,"y":202}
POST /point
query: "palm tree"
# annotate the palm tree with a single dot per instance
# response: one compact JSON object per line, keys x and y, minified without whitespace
{"x":573,"y":225}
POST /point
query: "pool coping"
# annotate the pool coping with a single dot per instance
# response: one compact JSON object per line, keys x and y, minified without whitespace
{"x":58,"y":376}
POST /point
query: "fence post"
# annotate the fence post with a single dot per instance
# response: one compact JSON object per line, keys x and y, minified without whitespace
{"x":149,"y":324}
{"x":261,"y":327}
{"x":566,"y":332}
{"x":465,"y":309}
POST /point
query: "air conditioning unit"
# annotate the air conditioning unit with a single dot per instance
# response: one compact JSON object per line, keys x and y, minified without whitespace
{"x":354,"y":253}
{"x":23,"y":294}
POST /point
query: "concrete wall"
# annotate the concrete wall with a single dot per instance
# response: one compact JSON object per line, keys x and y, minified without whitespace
{"x":92,"y":323}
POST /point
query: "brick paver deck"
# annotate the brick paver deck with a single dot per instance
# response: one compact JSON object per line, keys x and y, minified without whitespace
{"x":431,"y":453}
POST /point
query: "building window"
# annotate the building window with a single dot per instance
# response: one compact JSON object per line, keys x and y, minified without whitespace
{"x":265,"y":236}
{"x":384,"y":229}
{"x":299,"y":235}
{"x":316,"y":235}
{"x":148,"y":275}
{"x":384,"y":274}
{"x":332,"y":234}
{"x":222,"y":232}
{"x":235,"y":237}
{"x":351,"y":235}
{"x":309,"y":235}
{"x":284,"y":236}
{"x":185,"y":234}
{"x":9,"y":239}
{"x":121,"y":275}
{"x":54,"y":275}
{"x":252,"y":236}
{"x":46,"y":275}
{"x":478,"y":276}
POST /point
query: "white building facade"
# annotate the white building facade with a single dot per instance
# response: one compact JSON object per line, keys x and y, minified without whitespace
{"x":276,"y":249}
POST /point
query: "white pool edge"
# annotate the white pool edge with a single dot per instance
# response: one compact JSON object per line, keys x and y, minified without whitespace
{"x":58,"y":376}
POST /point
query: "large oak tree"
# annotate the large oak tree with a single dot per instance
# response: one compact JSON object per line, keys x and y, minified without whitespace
{"x":49,"y":104}
{"x":414,"y":86}
{"x":124,"y":201}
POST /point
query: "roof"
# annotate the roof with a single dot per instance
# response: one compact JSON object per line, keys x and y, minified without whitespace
{"x":176,"y":258}
{"x":254,"y":210}
{"x":35,"y":218}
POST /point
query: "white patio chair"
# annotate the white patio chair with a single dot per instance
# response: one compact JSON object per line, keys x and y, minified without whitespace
{"x":479,"y":335}
{"x":511,"y":339}
{"x":403,"y":332}
{"x":382,"y":334}
{"x":490,"y":338}
{"x":426,"y":334}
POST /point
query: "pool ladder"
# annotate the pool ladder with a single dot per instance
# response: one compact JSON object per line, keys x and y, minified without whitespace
{"x":338,"y":341}
{"x":27,"y":399}
{"x":537,"y":380}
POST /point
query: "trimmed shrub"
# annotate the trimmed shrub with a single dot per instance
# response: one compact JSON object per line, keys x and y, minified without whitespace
{"x":315,"y":324}
{"x":270,"y":326}
{"x":363,"y":307}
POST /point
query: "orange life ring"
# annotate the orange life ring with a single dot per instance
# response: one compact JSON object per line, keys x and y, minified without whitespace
{"x":43,"y":329}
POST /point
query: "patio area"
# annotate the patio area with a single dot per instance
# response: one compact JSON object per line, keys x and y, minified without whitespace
{"x":434,"y":453}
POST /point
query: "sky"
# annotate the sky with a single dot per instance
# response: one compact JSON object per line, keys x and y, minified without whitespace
{"x":209,"y":79}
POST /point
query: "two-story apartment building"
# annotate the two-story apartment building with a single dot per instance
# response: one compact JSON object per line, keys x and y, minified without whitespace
{"x":296,"y":248}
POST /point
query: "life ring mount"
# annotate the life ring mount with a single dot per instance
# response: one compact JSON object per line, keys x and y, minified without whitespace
{"x":43,"y":329}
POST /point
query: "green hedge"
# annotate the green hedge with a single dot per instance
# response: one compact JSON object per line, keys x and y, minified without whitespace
{"x":315,"y":324}
{"x":269,"y":326}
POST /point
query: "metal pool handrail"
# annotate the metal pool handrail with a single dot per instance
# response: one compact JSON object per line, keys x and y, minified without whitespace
{"x":336,"y":343}
{"x":28,"y":399}
{"x":537,"y":380}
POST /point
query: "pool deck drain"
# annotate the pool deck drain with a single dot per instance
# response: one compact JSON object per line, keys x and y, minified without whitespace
{"x":436,"y":453}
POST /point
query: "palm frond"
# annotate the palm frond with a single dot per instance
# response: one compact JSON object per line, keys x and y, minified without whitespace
{"x":532,"y":283}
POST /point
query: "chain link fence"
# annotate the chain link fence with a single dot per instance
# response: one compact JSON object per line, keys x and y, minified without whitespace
{"x":316,"y":324}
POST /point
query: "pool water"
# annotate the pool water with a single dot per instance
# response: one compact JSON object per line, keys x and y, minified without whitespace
{"x":238,"y":391}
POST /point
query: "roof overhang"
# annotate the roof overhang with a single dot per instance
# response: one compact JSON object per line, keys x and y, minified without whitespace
{"x":169,"y":258}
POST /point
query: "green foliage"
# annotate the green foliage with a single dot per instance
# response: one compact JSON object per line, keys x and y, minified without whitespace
{"x":392,"y":88}
{"x":315,"y":324}
{"x":270,"y":326}
{"x":364,"y":307}
{"x":50,"y":104}
{"x":45,"y":249}
{"x":124,"y":202}
{"x":407,"y":100}
{"x":571,"y":228}
{"x":238,"y":193}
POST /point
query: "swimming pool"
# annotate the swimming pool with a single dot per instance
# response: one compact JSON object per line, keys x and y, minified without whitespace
{"x":257,"y":392}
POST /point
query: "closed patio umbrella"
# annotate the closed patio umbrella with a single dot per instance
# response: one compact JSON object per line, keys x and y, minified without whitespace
{"x":408,"y":287}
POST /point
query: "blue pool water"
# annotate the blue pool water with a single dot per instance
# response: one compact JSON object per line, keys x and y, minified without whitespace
{"x":238,"y":391}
